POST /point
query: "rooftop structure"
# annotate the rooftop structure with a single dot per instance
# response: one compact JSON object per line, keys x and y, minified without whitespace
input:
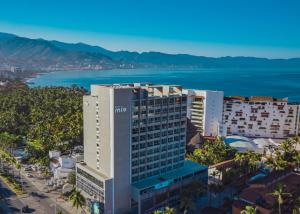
{"x":258,"y":145}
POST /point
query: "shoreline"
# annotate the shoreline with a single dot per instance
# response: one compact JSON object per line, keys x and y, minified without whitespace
{"x":229,"y":81}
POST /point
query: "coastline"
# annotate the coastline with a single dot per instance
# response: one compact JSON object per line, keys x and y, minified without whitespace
{"x":244,"y":82}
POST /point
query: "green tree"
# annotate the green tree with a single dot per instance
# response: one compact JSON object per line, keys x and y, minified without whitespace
{"x":49,"y":118}
{"x":211,"y":153}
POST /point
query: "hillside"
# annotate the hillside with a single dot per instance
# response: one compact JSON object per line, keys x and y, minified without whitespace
{"x":42,"y":54}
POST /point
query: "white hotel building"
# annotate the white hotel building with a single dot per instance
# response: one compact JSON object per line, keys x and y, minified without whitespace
{"x":204,"y":109}
{"x":134,"y":147}
{"x":260,"y":117}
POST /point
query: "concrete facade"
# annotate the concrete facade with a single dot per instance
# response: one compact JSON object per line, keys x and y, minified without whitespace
{"x":134,"y":134}
{"x":204,"y":109}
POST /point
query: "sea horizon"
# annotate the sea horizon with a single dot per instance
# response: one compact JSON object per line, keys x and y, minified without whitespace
{"x":274,"y":82}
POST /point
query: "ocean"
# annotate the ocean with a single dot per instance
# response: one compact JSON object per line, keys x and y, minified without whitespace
{"x":246,"y":82}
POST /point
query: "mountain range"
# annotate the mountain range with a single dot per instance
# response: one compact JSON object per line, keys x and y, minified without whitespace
{"x":40,"y":54}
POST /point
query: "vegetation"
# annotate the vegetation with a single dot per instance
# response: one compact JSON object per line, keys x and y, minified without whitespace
{"x":249,"y":210}
{"x":248,"y":161}
{"x":10,"y":181}
{"x":72,"y":178}
{"x":211,"y":153}
{"x":77,"y":199}
{"x":7,"y":174}
{"x":49,"y":118}
{"x":169,"y":210}
{"x":286,"y":155}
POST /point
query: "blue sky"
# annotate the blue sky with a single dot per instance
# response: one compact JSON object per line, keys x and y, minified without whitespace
{"x":265,"y":28}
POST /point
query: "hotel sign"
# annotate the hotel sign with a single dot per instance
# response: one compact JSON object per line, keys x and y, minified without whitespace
{"x":120,"y":109}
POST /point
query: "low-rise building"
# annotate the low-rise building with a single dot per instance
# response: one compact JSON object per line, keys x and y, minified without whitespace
{"x":257,"y":194}
{"x":61,"y":166}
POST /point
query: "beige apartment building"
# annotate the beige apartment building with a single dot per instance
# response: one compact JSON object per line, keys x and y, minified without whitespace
{"x":134,"y":147}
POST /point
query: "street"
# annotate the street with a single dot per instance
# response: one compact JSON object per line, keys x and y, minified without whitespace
{"x":9,"y":202}
{"x":38,"y":203}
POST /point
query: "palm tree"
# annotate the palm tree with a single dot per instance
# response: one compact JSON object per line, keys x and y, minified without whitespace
{"x":240,"y":158}
{"x":169,"y":210}
{"x":277,"y":162}
{"x":249,"y":210}
{"x":253,"y":159}
{"x":77,"y":198}
{"x":279,"y":194}
{"x":288,"y":147}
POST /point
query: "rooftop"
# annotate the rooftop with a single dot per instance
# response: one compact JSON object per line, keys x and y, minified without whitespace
{"x":189,"y":168}
{"x":259,"y":190}
{"x":153,"y":90}
{"x":256,"y":99}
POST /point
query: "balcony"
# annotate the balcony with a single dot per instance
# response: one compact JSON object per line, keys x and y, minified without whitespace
{"x":196,"y":117}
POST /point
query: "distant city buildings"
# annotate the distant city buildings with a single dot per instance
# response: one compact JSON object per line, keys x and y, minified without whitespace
{"x":134,"y":147}
{"x":204,"y":109}
{"x":9,"y":72}
{"x":260,"y":116}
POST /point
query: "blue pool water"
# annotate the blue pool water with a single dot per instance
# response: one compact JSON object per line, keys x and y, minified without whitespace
{"x":246,"y":82}
{"x":258,"y":176}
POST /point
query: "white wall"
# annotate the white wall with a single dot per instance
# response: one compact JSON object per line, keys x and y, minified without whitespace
{"x":213,"y":109}
{"x":276,"y":125}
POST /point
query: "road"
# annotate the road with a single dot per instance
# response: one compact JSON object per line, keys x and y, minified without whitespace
{"x":38,"y":203}
{"x":46,"y":203}
{"x":9,"y":203}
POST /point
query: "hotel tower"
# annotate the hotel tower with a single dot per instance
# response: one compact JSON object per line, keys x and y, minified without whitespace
{"x":134,"y":147}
